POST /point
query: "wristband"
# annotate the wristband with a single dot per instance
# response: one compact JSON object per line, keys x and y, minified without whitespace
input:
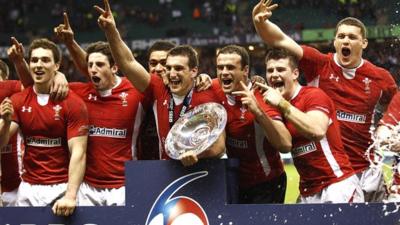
{"x":284,"y":106}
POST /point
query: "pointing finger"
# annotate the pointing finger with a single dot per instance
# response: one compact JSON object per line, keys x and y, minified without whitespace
{"x":99,"y":9}
{"x":18,"y":45}
{"x":242,"y":93}
{"x":272,"y":7}
{"x":244,"y":86}
{"x":263,"y":86}
{"x":14,"y":41}
{"x":107,"y":6}
{"x":66,"y":21}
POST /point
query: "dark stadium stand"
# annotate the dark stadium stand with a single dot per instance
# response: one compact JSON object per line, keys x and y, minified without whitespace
{"x":27,"y":19}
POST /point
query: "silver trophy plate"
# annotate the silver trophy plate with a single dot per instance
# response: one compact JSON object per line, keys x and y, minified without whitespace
{"x":196,"y":130}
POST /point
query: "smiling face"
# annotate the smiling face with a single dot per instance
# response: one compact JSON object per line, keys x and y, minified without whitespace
{"x":42,"y":65}
{"x":281,"y":76}
{"x":181,"y":77}
{"x":101,"y":72}
{"x":349,"y":44}
{"x":230,"y":72}
{"x":157,"y":61}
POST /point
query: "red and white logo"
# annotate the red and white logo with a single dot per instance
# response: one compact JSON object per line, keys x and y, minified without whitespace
{"x":57,"y":110}
{"x":26,"y":109}
{"x":123,"y":96}
{"x":179,"y":210}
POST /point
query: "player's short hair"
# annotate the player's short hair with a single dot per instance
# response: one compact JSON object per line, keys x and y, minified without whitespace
{"x":4,"y":70}
{"x":281,"y":53}
{"x":100,"y":47}
{"x":46,"y":44}
{"x":188,"y":51}
{"x":160,"y":46}
{"x":351,"y":21}
{"x":239,"y":50}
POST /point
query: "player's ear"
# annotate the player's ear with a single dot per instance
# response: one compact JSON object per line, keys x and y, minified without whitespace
{"x":364,"y":43}
{"x":57,"y":66}
{"x":246,"y":71}
{"x":296,"y":73}
{"x":193,"y":72}
{"x":114,"y":69}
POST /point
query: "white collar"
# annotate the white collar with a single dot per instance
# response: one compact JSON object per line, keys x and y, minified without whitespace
{"x":296,"y":91}
{"x":42,"y":99}
{"x":178,"y":99}
{"x":347,"y":73}
{"x":108,"y":92}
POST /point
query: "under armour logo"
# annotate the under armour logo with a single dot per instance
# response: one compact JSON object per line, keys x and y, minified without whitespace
{"x":94,"y":97}
{"x":333,"y":77}
{"x":26,"y":109}
{"x":123,"y":96}
{"x":367,"y":82}
{"x":165,"y":102}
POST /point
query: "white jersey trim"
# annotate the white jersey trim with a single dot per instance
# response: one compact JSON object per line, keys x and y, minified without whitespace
{"x":20,"y":151}
{"x":136,"y":127}
{"x":314,"y":82}
{"x":326,"y":149}
{"x":296,"y":92}
{"x":259,"y":138}
{"x":348,"y":73}
{"x":160,"y":142}
{"x":108,"y":92}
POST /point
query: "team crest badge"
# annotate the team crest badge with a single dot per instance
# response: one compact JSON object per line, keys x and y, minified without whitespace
{"x":123,"y":96}
{"x":367,"y":88}
{"x":243,"y":111}
{"x":57,"y":110}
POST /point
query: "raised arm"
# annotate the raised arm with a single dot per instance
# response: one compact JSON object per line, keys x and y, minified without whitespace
{"x":59,"y":88}
{"x":77,"y":165}
{"x":269,"y":32}
{"x":275,"y":131}
{"x":312,"y":124}
{"x":65,"y":34}
{"x":123,"y":56}
{"x":16,"y":55}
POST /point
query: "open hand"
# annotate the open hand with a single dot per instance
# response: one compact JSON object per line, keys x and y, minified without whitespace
{"x":263,"y":10}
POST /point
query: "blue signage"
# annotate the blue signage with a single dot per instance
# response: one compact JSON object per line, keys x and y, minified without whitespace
{"x":166,"y":193}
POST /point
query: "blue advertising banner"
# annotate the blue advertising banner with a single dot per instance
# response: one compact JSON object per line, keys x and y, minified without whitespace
{"x":166,"y":193}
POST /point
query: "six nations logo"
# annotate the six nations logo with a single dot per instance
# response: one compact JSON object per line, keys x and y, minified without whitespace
{"x":179,"y":210}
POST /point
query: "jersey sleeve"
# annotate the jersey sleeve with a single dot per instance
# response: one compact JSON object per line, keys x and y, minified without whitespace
{"x":12,"y":86}
{"x":155,"y":88}
{"x":217,"y":89}
{"x":15,"y":99}
{"x":389,"y":87}
{"x":77,"y":117}
{"x":311,"y":62}
{"x":78,"y":87}
{"x":318,"y":100}
{"x":392,"y":114}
